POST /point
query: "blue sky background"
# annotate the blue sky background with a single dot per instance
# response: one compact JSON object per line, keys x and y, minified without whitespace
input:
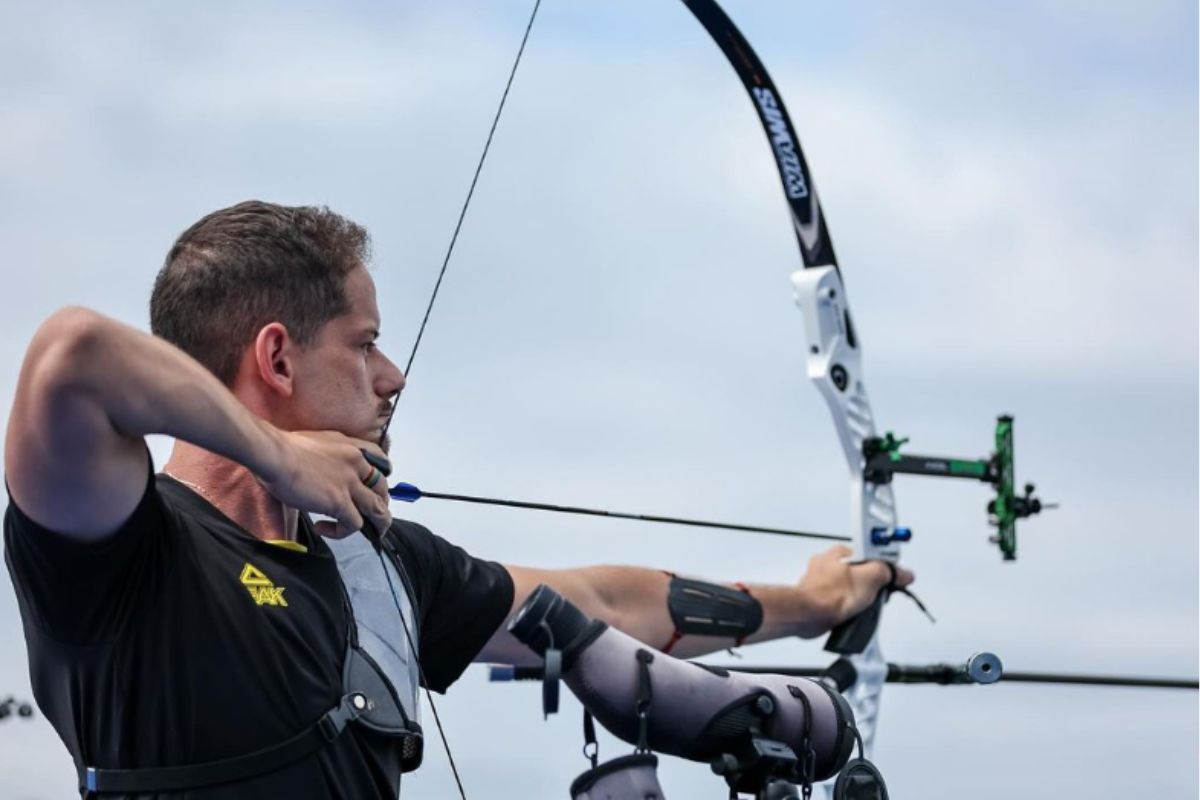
{"x":1012,"y":191}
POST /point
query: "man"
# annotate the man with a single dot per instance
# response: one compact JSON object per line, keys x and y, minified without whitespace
{"x":195,"y":617}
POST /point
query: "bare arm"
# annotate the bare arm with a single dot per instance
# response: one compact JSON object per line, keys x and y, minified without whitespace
{"x":634,"y":600}
{"x":91,"y":388}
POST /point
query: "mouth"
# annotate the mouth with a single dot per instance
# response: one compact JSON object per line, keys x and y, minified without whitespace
{"x":384,"y":419}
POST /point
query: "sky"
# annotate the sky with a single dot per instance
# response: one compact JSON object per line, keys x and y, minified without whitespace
{"x":1012,"y":192}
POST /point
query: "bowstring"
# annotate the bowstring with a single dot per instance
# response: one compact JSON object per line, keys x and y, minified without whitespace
{"x":416,"y":655}
{"x":462,"y":214}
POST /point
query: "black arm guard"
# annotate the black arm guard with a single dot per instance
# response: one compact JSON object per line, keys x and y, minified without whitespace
{"x":708,"y":609}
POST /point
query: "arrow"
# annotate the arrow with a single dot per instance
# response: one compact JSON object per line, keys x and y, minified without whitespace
{"x":408,"y":493}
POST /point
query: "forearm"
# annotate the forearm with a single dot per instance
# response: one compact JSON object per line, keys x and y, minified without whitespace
{"x":638,"y":604}
{"x":144,"y":385}
{"x":635,"y":600}
{"x":90,"y":389}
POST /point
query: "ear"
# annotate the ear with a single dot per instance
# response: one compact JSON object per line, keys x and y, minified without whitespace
{"x":273,"y":350}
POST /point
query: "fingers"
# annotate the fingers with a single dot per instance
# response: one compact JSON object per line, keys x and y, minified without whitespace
{"x":361,"y":508}
{"x":376,"y":507}
{"x":376,"y":482}
{"x":364,"y":487}
{"x":378,"y":467}
{"x":348,"y":521}
{"x":371,"y":494}
{"x":876,"y":568}
{"x":377,"y":460}
{"x":364,"y":509}
{"x":881,"y":575}
{"x":373,"y":505}
{"x":339,"y":476}
{"x":835,"y":554}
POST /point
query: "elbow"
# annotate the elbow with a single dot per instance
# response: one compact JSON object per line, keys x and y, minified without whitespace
{"x":65,"y":347}
{"x":55,"y":372}
{"x":66,"y":360}
{"x":71,"y":326}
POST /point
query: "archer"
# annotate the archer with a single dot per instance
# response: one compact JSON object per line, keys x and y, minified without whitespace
{"x":193,"y":627}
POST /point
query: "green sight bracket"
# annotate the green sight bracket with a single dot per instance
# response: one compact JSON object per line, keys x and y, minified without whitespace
{"x":883,"y":459}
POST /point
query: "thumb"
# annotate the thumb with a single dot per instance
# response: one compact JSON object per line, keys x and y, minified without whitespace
{"x":904,"y":577}
{"x":328,"y":529}
{"x":839,"y":552}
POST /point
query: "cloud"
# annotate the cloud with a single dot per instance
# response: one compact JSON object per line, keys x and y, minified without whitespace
{"x":1012,"y":192}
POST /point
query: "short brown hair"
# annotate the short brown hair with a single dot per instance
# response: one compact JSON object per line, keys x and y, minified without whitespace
{"x":248,"y":265}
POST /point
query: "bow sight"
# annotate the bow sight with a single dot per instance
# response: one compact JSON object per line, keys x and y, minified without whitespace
{"x":883,"y":459}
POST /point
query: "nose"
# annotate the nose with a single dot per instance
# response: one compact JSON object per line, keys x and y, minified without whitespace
{"x":396,"y":381}
{"x":391,"y":380}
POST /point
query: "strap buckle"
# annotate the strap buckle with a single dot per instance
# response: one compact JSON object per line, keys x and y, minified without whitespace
{"x":336,"y":719}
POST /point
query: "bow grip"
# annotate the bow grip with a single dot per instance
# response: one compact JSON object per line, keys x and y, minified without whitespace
{"x":852,"y":636}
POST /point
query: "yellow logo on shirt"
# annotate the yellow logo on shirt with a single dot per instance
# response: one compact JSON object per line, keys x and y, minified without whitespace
{"x":260,"y":587}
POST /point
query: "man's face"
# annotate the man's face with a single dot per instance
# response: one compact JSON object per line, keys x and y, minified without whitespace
{"x":344,"y":382}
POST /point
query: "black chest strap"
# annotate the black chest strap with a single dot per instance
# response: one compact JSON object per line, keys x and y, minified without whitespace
{"x":95,"y":780}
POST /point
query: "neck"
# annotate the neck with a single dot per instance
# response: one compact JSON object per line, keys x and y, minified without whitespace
{"x":234,"y":490}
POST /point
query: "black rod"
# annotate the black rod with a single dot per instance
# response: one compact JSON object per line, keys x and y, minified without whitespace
{"x":1101,"y":680}
{"x":899,"y":673}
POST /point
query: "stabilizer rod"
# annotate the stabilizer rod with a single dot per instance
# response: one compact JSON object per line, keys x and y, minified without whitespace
{"x":944,"y":674}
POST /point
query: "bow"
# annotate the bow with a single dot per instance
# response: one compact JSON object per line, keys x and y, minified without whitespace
{"x":834,"y":364}
{"x":834,"y":355}
{"x":834,"y":360}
